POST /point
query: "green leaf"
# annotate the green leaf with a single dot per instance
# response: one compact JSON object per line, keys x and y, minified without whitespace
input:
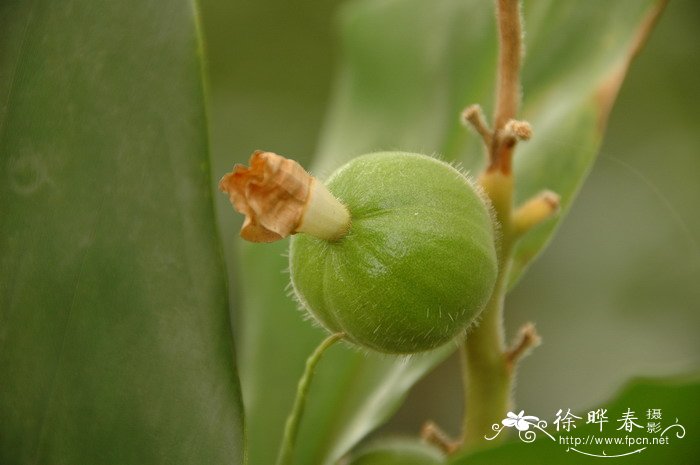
{"x":115,"y":340}
{"x":397,"y":451}
{"x":409,"y":69}
{"x":675,"y":399}
{"x":570,"y":88}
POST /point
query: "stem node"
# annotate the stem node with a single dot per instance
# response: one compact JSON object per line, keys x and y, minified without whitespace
{"x":433,"y":434}
{"x":527,"y":339}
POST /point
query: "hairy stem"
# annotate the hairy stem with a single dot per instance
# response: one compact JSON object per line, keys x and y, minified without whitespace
{"x":291,"y":428}
{"x":507,"y":86}
{"x":487,"y":368}
{"x":486,"y":371}
{"x":509,"y":58}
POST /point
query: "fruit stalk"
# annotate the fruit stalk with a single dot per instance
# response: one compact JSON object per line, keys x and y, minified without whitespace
{"x":291,"y":427}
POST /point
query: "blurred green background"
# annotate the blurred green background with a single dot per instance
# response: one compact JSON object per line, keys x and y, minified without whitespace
{"x":614,"y":296}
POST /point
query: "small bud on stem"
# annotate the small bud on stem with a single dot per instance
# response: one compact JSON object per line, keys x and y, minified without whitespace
{"x":533,"y":212}
{"x":474,"y":116}
{"x":433,"y":434}
{"x":527,"y":340}
{"x":504,"y":144}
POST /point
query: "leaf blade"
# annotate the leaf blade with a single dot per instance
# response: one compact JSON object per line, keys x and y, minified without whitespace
{"x":114,"y":306}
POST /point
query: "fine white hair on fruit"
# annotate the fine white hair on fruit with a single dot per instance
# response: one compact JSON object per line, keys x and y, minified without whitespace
{"x":417,"y":263}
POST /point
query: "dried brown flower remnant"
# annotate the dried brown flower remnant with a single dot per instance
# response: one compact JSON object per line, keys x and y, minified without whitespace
{"x":279,"y":198}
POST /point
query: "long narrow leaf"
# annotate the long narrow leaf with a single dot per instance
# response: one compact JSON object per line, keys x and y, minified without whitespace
{"x":115,"y":342}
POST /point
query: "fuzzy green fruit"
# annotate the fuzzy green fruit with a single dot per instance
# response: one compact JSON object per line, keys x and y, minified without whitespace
{"x":417,"y":264}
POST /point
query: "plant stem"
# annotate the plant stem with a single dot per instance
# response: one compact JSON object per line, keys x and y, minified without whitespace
{"x":487,"y":376}
{"x":487,"y":371}
{"x":509,"y":58}
{"x":508,"y":85}
{"x":291,"y":427}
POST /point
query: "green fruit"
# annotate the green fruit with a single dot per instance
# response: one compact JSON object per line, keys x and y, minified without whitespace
{"x":417,"y":264}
